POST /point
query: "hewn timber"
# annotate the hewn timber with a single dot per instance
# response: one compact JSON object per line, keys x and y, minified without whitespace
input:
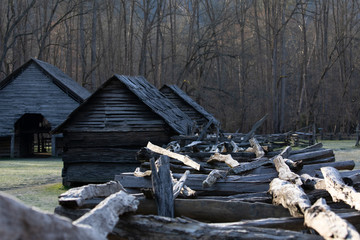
{"x":338,"y":190}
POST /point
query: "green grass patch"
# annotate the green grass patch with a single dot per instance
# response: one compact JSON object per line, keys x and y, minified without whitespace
{"x":36,"y":182}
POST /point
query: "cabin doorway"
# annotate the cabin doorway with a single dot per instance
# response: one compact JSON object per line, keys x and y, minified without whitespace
{"x":32,"y":132}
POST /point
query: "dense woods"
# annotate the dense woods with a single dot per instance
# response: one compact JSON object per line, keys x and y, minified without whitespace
{"x":296,"y":60}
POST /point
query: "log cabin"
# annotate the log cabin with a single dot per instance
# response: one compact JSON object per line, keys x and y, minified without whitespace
{"x":103,"y":135}
{"x":195,"y":111}
{"x":34,"y":99}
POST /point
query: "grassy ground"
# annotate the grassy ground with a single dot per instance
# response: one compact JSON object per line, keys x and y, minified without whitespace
{"x":36,"y":182}
{"x":344,"y":150}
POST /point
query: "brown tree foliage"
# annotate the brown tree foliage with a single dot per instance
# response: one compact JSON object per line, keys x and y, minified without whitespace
{"x":295,"y":60}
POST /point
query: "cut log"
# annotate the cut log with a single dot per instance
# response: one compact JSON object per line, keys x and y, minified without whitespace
{"x":105,"y":215}
{"x":184,"y":159}
{"x":224,"y":158}
{"x":156,"y":227}
{"x":327,"y":223}
{"x":284,"y":171}
{"x":162,"y":186}
{"x":338,"y":189}
{"x":259,"y":151}
{"x":290,"y":196}
{"x":75,"y":197}
{"x":213,"y":176}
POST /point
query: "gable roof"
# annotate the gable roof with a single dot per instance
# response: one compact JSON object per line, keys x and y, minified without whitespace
{"x":150,"y":96}
{"x":176,"y":90}
{"x":63,"y":81}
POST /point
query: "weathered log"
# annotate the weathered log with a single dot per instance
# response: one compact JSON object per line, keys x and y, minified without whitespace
{"x":290,"y":196}
{"x":294,"y":166}
{"x":105,"y":215}
{"x":291,"y":223}
{"x":18,"y":221}
{"x":338,"y":189}
{"x":75,"y":197}
{"x":259,"y":152}
{"x":179,"y":184}
{"x":184,"y":159}
{"x":162,"y":186}
{"x":352,"y":179}
{"x":213,"y":176}
{"x":207,"y":210}
{"x":224,"y":158}
{"x":156,"y":227}
{"x":284,"y":171}
{"x":312,"y":155}
{"x":233,"y":184}
{"x":245,"y":167}
{"x":327,"y":223}
{"x":285,"y":153}
{"x":310,"y":182}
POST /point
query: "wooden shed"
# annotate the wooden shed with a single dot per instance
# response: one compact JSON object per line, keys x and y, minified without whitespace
{"x":102,"y":136}
{"x":35,"y":99}
{"x":195,"y":111}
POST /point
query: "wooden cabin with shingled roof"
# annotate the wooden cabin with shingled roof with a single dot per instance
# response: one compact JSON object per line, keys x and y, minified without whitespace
{"x":35,"y":99}
{"x":103,"y":135}
{"x":196,"y":112}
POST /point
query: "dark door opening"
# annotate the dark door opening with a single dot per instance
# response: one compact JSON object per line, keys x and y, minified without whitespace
{"x":32,"y":132}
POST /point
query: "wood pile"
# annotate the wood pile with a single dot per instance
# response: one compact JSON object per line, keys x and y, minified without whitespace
{"x":253,"y":193}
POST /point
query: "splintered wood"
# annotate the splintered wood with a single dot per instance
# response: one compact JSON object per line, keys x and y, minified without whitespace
{"x":184,"y":159}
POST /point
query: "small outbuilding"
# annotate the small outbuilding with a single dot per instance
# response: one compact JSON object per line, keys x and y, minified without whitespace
{"x":35,"y":99}
{"x":196,"y":112}
{"x":103,"y":135}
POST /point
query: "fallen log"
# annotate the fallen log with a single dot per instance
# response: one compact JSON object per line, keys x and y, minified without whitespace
{"x":310,"y":182}
{"x":251,"y":133}
{"x":230,"y":185}
{"x":338,"y":189}
{"x":312,"y":155}
{"x":224,"y":158}
{"x":213,"y":176}
{"x":184,"y":159}
{"x":76,"y":196}
{"x":327,"y":223}
{"x":18,"y":221}
{"x":284,"y":171}
{"x":245,"y":167}
{"x":178,"y":186}
{"x":259,"y":152}
{"x":104,"y":216}
{"x":290,"y":196}
{"x":156,"y":227}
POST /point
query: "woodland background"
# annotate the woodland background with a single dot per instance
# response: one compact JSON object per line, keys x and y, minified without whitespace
{"x":296,"y":60}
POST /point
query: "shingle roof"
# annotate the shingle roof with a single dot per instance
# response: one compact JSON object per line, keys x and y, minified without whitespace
{"x":63,"y":81}
{"x":150,"y":96}
{"x":176,"y":90}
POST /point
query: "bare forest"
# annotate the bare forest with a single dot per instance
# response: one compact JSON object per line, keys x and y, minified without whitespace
{"x":296,"y":60}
